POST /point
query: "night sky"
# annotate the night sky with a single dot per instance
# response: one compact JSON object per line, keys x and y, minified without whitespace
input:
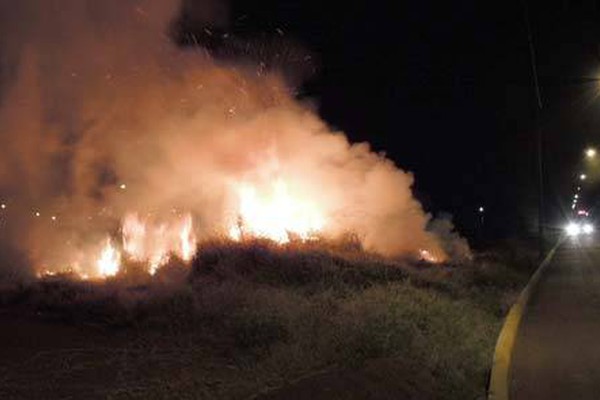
{"x":445,"y":89}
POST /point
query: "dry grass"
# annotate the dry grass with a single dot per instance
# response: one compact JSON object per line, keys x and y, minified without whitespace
{"x":251,"y":317}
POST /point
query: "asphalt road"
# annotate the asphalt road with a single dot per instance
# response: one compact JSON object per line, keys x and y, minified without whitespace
{"x":557,"y":349}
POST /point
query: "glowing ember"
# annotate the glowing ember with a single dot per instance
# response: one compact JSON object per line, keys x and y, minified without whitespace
{"x":109,"y":261}
{"x":46,"y":273}
{"x":427,"y":256}
{"x":275,"y":214}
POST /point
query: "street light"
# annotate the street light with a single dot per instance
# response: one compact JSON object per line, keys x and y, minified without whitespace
{"x":481,"y":211}
{"x":590,"y":152}
{"x":540,"y":136}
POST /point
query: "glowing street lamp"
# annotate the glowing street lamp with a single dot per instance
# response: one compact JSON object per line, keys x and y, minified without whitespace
{"x":590,"y":152}
{"x":582,"y":177}
{"x":481,"y":211}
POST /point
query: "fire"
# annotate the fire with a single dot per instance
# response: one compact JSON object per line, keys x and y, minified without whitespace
{"x":427,"y":255}
{"x":151,"y":242}
{"x":277,"y":210}
{"x":275,"y":214}
{"x":187,"y":239}
{"x":109,"y":261}
{"x":154,"y":243}
{"x":134,"y":232}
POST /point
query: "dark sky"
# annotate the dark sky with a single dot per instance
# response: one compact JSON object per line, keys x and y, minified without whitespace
{"x":445,"y":89}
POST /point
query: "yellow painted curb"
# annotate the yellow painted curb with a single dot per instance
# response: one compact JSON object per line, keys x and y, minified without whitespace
{"x":500,"y":380}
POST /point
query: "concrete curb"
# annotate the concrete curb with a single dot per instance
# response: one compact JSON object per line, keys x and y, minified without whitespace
{"x":499,"y":386}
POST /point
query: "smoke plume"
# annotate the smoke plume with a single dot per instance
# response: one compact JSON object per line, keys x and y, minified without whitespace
{"x":102,"y":114}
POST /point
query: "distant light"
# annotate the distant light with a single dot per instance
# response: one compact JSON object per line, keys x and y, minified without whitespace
{"x":587,"y":229}
{"x":578,"y":188}
{"x":576,"y":196}
{"x":37,"y":214}
{"x":573,"y":207}
{"x":123,"y":186}
{"x":590,"y":152}
{"x":53,"y":218}
{"x":573,"y":229}
{"x":3,"y":206}
{"x":481,"y":209}
{"x":583,"y":177}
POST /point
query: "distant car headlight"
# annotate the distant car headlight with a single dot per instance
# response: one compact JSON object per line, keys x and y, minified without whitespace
{"x":587,"y":228}
{"x":573,"y":229}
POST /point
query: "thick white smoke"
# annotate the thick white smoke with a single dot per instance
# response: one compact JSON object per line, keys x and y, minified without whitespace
{"x":102,"y":114}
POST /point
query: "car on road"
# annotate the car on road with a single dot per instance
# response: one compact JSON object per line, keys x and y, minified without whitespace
{"x":581,"y":225}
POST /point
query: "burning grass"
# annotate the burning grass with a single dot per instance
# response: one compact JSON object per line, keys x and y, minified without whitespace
{"x":251,"y":317}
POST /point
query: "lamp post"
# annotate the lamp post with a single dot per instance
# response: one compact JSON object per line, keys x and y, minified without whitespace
{"x":539,"y":134}
{"x":589,"y":152}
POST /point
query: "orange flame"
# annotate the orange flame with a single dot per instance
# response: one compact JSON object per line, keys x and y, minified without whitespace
{"x":109,"y":261}
{"x":134,"y":232}
{"x":187,"y":239}
{"x":275,"y":214}
{"x":429,"y":257}
{"x":145,"y":242}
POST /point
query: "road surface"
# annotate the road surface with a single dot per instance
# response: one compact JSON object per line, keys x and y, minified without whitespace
{"x":557,"y":349}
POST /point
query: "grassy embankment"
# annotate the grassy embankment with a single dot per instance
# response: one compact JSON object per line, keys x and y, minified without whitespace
{"x":252,"y":319}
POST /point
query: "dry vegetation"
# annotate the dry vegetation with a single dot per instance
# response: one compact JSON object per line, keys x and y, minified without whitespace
{"x":250,"y":319}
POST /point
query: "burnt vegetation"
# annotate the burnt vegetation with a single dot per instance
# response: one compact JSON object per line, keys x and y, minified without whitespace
{"x":257,"y":319}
